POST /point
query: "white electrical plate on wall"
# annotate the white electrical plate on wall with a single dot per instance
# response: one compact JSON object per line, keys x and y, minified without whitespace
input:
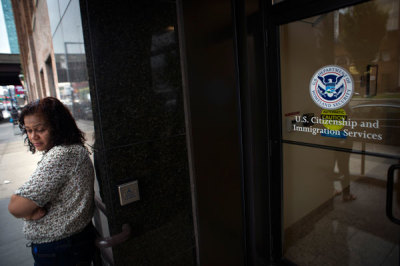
{"x":128,"y":192}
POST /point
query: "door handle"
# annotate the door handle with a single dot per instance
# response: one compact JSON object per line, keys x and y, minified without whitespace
{"x":389,"y":193}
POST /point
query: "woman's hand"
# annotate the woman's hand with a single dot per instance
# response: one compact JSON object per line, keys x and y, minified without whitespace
{"x":37,"y":214}
{"x":22,"y":207}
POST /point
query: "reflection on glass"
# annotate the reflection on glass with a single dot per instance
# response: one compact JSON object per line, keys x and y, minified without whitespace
{"x":63,"y":5}
{"x":69,"y":51}
{"x":165,"y":66}
{"x":166,"y":88}
{"x":334,"y":208}
{"x":276,"y":1}
{"x":334,"y":201}
{"x":364,"y":40}
{"x":54,"y":14}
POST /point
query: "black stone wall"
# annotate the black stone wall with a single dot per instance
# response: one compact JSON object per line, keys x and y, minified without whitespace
{"x":136,"y":89}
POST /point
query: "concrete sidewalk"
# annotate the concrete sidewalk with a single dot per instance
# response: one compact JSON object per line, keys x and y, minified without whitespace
{"x":16,"y":165}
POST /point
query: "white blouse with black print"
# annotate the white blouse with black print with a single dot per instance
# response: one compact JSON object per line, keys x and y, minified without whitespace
{"x":63,"y":183}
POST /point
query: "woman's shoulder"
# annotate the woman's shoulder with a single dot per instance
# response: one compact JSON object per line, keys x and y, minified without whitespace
{"x":67,"y":150}
{"x":65,"y":155}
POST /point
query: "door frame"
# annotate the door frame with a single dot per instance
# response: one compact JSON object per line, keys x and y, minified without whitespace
{"x":275,"y":16}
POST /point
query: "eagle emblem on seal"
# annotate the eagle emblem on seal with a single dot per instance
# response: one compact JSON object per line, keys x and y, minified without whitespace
{"x":331,"y":87}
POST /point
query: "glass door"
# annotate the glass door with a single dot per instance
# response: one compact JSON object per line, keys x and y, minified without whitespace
{"x":340,"y":136}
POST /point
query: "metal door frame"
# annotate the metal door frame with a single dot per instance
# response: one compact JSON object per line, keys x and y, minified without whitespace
{"x":275,"y":16}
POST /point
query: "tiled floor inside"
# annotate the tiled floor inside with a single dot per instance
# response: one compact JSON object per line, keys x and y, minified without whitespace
{"x":350,"y":233}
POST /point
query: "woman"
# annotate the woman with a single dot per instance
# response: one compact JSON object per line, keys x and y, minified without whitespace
{"x":57,"y":200}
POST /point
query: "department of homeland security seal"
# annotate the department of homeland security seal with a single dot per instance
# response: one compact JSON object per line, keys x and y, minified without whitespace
{"x":331,"y":87}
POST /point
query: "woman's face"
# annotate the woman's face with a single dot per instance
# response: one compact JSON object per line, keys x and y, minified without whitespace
{"x":38,"y":131}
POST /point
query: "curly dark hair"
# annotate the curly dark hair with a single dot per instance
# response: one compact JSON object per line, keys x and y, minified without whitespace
{"x":63,"y":128}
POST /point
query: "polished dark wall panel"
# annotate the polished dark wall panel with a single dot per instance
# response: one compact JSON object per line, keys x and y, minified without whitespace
{"x":134,"y":74}
{"x":213,"y":102}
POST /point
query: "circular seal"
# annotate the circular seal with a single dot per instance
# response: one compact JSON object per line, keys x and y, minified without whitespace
{"x":331,"y":87}
{"x":334,"y":119}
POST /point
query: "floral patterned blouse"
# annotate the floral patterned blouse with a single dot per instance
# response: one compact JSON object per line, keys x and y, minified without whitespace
{"x":63,"y":183}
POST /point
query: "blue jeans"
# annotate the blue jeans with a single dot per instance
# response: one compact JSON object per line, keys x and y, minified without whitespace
{"x":75,"y":250}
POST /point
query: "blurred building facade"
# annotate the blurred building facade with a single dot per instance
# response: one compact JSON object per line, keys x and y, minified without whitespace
{"x":53,"y":54}
{"x":36,"y":48}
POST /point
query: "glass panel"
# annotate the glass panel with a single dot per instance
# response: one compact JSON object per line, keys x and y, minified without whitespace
{"x":54,"y":14}
{"x":63,"y":4}
{"x":340,"y":85}
{"x":334,"y":208}
{"x":340,"y":78}
{"x":70,"y":58}
{"x":59,"y":53}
